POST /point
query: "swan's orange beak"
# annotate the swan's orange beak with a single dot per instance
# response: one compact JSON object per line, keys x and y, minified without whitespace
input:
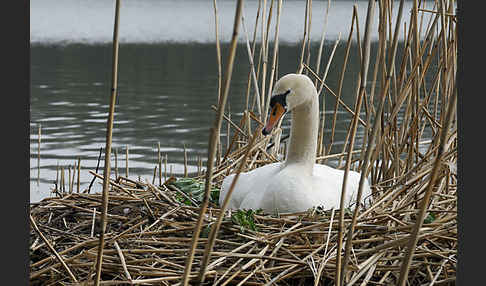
{"x":277,"y":112}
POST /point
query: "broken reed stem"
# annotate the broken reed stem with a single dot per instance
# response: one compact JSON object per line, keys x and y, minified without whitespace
{"x":116,"y":163}
{"x":215,"y":227}
{"x":38,"y":155}
{"x":79,"y":175}
{"x":159,"y":156}
{"x":109,"y":131}
{"x":165,"y":168}
{"x":185,"y":161}
{"x":126,"y":161}
{"x":214,"y":134}
{"x":96,"y":171}
{"x":71,"y":179}
{"x":63,"y":186}
{"x":228,"y":128}
{"x":122,"y":261}
{"x":154,"y":175}
{"x":362,"y":91}
{"x":57,"y":176}
{"x":93,"y":222}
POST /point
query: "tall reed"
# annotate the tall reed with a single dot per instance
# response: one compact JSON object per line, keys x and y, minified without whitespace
{"x":38,"y":154}
{"x":109,"y":133}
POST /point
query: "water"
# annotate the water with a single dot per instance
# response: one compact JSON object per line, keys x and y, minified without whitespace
{"x":167,"y":80}
{"x":155,"y":21}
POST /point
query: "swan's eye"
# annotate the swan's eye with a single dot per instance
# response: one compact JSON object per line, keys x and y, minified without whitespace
{"x":279,"y":98}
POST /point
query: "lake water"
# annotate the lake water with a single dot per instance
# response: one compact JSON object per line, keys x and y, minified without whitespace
{"x":167,"y":79}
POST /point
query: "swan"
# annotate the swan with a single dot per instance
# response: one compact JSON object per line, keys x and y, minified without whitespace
{"x":298,"y":183}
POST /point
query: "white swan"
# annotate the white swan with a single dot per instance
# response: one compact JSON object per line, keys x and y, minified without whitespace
{"x":298,"y":183}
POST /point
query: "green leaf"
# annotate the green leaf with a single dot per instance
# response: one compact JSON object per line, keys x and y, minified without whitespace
{"x":195,"y":190}
{"x":430,"y":218}
{"x":245,"y":219}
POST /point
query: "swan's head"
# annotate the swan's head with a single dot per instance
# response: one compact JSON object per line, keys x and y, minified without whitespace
{"x":290,"y":91}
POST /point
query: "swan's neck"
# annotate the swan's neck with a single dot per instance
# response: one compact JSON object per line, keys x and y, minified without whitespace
{"x":303,"y":136}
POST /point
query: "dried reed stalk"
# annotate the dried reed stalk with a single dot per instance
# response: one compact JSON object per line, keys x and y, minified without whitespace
{"x":109,"y":132}
{"x":38,"y":154}
{"x":71,"y":178}
{"x":79,"y":175}
{"x":185,"y":161}
{"x":159,"y":161}
{"x":126,"y":161}
{"x":63,"y":184}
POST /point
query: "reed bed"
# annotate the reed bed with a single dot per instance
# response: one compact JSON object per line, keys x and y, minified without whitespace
{"x":163,"y":235}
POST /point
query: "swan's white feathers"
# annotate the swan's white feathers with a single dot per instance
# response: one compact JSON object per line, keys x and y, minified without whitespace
{"x":297,"y":184}
{"x":257,"y":189}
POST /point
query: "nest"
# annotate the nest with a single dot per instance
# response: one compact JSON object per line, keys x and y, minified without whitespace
{"x":149,"y":231}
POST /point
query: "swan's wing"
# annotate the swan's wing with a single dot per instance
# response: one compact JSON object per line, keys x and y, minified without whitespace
{"x":248,"y":183}
{"x":329,"y":182}
{"x":286,"y":191}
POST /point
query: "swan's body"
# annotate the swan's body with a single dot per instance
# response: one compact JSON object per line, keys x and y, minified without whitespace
{"x":298,"y":183}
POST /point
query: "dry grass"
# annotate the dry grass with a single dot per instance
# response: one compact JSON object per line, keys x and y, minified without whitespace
{"x":408,"y":235}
